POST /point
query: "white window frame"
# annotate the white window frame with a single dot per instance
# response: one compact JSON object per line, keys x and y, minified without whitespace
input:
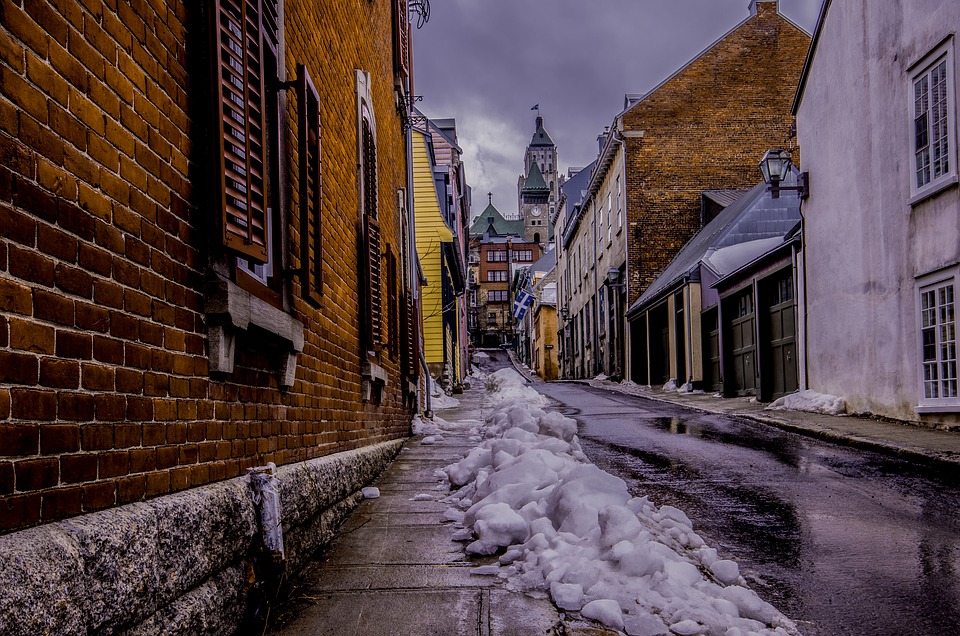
{"x":934,"y":282}
{"x":943,"y":53}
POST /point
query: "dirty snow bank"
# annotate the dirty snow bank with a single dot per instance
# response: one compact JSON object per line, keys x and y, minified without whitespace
{"x":563,"y":526}
{"x":439,"y":399}
{"x":810,"y":401}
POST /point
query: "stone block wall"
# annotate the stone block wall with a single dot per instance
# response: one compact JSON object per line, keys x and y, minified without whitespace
{"x":106,"y":393}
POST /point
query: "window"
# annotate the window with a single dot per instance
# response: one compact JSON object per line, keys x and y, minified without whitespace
{"x":497,"y":256}
{"x":247,"y":114}
{"x":401,"y":40}
{"x":247,"y":38}
{"x":497,"y":276}
{"x":311,"y":227}
{"x":933,"y":127}
{"x":372,"y":306}
{"x":609,"y":217}
{"x":619,"y":205}
{"x":599,"y":223}
{"x":938,"y":344}
{"x":497,"y":296}
{"x":523,"y":256}
{"x":601,"y":307}
{"x":744,"y":305}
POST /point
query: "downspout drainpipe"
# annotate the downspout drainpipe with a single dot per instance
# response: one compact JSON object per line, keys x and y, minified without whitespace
{"x":412,"y":278}
{"x":626,"y":344}
{"x":801,"y":253}
{"x":266,"y":498}
{"x":428,"y":380}
{"x":595,"y":318}
{"x":688,"y":315}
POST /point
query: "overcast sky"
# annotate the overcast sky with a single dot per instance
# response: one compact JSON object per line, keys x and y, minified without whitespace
{"x":487,"y":62}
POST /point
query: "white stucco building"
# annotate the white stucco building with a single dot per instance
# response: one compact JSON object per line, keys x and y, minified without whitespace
{"x":877,"y":127}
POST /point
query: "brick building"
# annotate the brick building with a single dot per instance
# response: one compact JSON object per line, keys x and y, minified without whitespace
{"x":705,"y":127}
{"x":204,"y":267}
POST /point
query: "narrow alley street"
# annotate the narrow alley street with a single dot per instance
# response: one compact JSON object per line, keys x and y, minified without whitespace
{"x":842,"y":540}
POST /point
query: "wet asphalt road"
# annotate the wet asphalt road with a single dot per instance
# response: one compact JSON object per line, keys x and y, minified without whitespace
{"x":841,"y":540}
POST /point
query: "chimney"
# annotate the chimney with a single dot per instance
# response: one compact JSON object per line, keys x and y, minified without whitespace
{"x":763,"y":6}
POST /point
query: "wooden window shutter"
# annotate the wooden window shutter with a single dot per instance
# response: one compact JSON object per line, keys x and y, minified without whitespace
{"x":410,"y":338}
{"x":369,"y":171}
{"x":374,"y":301}
{"x":311,"y":182}
{"x":393,"y":303}
{"x":240,"y":87}
{"x":374,"y":287}
{"x":401,"y":39}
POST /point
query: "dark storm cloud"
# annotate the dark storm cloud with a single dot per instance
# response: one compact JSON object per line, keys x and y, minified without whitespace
{"x":486,"y":62}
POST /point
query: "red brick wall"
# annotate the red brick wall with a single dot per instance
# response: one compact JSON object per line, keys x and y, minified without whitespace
{"x":706,"y":128}
{"x":105,"y":392}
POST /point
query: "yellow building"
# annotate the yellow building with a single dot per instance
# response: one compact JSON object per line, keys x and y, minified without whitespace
{"x":441,"y":262}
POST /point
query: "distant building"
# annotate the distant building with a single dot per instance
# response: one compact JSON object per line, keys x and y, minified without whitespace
{"x":497,"y":252}
{"x":704,"y":127}
{"x":877,"y":126}
{"x":538,"y":187}
{"x":537,"y":328}
{"x":576,"y":354}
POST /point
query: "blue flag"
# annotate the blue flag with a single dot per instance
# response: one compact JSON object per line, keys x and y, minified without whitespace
{"x":521,"y":304}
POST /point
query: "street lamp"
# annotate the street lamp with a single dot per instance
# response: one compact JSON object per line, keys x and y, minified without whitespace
{"x":775,"y":166}
{"x":564,"y":313}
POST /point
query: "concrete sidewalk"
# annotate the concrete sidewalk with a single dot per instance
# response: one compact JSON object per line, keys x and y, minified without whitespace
{"x":393,"y":568}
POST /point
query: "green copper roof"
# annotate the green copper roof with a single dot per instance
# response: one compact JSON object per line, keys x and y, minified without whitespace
{"x":492,"y":222}
{"x":541,"y":138}
{"x":534,"y":181}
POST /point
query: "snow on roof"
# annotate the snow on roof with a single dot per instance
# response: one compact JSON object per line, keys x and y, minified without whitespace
{"x":732,"y":257}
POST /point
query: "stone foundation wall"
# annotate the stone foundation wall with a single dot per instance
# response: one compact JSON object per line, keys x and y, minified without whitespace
{"x":177,"y":564}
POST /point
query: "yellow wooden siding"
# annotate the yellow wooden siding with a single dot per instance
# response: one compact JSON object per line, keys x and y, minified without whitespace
{"x":431,"y":231}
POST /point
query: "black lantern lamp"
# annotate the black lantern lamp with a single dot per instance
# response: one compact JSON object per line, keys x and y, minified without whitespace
{"x":775,"y":166}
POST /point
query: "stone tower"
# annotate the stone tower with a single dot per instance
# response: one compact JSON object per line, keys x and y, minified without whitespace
{"x":538,"y":186}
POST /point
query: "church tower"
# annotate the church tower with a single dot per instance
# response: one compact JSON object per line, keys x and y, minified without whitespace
{"x":538,"y":186}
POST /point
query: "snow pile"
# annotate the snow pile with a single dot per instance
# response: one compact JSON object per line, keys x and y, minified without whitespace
{"x":437,"y":426}
{"x":810,"y":401}
{"x":671,"y":385}
{"x":439,"y":399}
{"x":563,"y":526}
{"x":476,"y":372}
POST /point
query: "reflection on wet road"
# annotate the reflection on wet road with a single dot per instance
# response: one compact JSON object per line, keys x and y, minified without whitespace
{"x":842,"y":540}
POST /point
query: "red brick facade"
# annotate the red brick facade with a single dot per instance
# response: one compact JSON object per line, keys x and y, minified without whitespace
{"x":110,"y":241}
{"x":706,"y":128}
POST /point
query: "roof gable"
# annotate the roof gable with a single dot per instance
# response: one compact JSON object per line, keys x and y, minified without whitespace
{"x":636,"y":101}
{"x":492,"y":222}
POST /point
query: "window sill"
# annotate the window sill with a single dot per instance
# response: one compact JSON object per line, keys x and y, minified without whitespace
{"x":933,"y":190}
{"x":230,"y":310}
{"x":939,"y":408}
